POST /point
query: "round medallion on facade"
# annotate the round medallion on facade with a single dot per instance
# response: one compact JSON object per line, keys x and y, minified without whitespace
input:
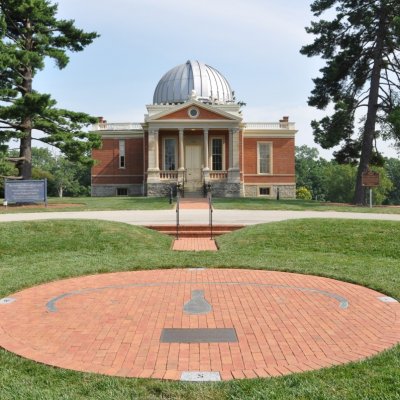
{"x":193,"y":112}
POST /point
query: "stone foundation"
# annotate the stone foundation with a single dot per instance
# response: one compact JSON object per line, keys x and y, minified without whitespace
{"x":111,"y":190}
{"x":285,"y":191}
{"x":159,"y":189}
{"x":223,"y":189}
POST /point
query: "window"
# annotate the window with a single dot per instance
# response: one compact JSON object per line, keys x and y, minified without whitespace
{"x":264,"y":191}
{"x":170,"y":154}
{"x":193,"y":112}
{"x":217,"y":154}
{"x":122,"y":153}
{"x":122,"y":191}
{"x":264,"y":158}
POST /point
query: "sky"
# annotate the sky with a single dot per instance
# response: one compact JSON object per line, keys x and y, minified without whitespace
{"x":254,"y":43}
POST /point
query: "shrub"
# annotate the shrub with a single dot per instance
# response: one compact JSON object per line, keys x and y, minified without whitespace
{"x":303,"y":193}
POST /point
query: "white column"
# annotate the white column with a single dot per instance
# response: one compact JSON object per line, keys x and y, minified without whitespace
{"x":231,"y":148}
{"x":205,"y":145}
{"x":181,"y":155}
{"x":153,"y":172}
{"x":152,"y":150}
{"x":156,"y":150}
{"x":234,"y":171}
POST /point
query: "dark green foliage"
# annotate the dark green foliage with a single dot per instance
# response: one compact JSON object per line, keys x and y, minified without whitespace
{"x":310,"y":171}
{"x":361,"y":46}
{"x":333,"y":181}
{"x":30,"y":33}
{"x":392,"y":165}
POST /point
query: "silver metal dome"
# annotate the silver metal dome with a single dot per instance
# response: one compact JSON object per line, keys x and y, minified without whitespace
{"x":177,"y":84}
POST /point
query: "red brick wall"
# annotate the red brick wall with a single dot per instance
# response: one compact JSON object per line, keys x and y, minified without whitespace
{"x":107,"y":162}
{"x":283,"y":162}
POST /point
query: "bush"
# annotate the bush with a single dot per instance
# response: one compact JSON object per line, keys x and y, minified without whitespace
{"x":303,"y":193}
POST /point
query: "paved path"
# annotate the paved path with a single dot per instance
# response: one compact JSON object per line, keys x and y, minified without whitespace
{"x":194,"y":244}
{"x":189,"y":216}
{"x":198,"y":323}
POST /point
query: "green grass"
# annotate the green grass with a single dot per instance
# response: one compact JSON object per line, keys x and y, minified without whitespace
{"x":162,"y":203}
{"x":93,"y":204}
{"x":256,"y":203}
{"x":365,"y":252}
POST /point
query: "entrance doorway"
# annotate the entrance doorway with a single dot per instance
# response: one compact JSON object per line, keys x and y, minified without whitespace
{"x":193,"y":153}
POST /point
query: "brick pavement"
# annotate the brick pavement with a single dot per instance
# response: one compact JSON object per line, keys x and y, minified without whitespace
{"x":194,"y":244}
{"x":112,"y":323}
{"x":186,"y":243}
{"x":200,"y":203}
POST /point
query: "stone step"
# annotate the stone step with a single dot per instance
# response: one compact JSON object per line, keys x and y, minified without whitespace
{"x":195,"y":230}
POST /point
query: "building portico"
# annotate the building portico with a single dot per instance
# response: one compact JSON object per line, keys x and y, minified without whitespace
{"x":194,"y":135}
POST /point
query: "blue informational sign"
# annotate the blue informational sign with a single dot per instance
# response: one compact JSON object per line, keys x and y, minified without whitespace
{"x":25,"y":191}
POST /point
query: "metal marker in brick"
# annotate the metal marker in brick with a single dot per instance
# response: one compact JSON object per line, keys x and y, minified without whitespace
{"x":197,"y":304}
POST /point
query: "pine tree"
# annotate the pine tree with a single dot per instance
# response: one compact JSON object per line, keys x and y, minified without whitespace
{"x":29,"y":33}
{"x":361,"y":46}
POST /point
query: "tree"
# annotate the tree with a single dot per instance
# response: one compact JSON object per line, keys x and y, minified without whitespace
{"x":6,"y":169}
{"x":392,"y":166}
{"x":361,"y":47}
{"x":309,"y":171}
{"x":30,"y":33}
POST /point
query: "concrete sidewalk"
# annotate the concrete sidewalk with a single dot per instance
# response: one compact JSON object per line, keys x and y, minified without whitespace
{"x":149,"y":217}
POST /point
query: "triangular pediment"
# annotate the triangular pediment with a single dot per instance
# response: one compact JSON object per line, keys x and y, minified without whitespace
{"x":194,"y":111}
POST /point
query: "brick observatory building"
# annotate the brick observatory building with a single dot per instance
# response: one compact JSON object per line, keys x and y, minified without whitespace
{"x":194,"y":134}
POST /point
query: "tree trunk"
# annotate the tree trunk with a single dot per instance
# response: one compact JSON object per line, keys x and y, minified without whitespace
{"x":25,"y":149}
{"x":369,"y":127}
{"x":25,"y":166}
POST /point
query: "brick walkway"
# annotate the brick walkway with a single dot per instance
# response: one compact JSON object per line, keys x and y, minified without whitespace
{"x":193,"y":204}
{"x":194,"y":244}
{"x":112,"y":323}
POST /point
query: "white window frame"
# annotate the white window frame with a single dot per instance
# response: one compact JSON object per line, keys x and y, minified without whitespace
{"x":210,"y":158}
{"x":176,"y":152}
{"x":259,"y":144}
{"x":121,"y":154}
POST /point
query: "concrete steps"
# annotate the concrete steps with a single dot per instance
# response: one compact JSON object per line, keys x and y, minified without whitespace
{"x":194,"y":194}
{"x":195,"y":231}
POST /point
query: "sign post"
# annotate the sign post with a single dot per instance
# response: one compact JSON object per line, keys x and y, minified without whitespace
{"x":370,"y":179}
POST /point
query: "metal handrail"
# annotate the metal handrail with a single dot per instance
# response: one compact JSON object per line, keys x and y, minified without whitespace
{"x":210,"y":213}
{"x":177,"y":214}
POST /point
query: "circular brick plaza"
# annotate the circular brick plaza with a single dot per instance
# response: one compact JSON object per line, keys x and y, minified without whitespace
{"x":198,"y":324}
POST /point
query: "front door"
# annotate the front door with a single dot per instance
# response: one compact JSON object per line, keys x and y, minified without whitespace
{"x":193,"y":166}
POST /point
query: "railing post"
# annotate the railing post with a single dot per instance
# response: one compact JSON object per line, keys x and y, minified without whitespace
{"x":177,"y":214}
{"x":210,"y":214}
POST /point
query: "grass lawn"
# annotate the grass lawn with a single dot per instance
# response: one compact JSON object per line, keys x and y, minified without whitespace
{"x":93,"y":204}
{"x":365,"y":252}
{"x":162,"y":203}
{"x":257,"y":203}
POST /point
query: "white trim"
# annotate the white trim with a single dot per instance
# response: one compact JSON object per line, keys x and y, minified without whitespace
{"x":121,"y":135}
{"x":122,"y":153}
{"x":117,"y":176}
{"x":255,"y":175}
{"x":269,"y":135}
{"x":199,"y":104}
{"x":193,"y":109}
{"x":270,"y":158}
